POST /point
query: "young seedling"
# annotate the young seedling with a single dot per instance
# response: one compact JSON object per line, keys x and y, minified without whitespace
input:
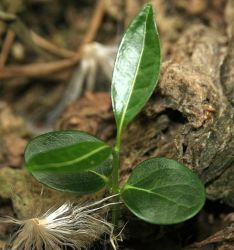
{"x":159,"y":190}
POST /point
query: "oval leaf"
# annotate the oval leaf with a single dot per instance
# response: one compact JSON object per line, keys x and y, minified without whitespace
{"x":162,"y":191}
{"x":69,"y":161}
{"x":136,"y":68}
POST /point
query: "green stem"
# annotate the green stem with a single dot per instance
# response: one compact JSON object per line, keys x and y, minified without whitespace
{"x":115,"y":179}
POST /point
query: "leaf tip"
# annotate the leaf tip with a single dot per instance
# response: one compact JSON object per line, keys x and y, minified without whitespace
{"x":148,"y":6}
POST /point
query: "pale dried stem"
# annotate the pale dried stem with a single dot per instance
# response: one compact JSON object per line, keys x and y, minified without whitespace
{"x":50,"y":47}
{"x":44,"y":69}
{"x":95,"y":22}
{"x":6,"y":47}
{"x":38,"y":69}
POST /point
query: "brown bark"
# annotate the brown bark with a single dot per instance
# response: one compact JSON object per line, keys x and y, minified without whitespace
{"x":198,"y":115}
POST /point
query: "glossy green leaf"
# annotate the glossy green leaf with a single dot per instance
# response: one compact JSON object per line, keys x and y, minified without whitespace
{"x":69,"y":161}
{"x":163,"y":191}
{"x":136,"y":68}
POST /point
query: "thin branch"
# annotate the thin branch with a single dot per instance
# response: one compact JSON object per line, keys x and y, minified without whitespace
{"x":95,"y":22}
{"x":52,"y":48}
{"x":31,"y":39}
{"x":24,"y":34}
{"x":42,"y":69}
{"x":6,"y":47}
{"x":7,"y":17}
{"x":38,"y":69}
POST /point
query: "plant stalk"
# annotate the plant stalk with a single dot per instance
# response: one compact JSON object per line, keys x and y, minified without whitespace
{"x":115,"y":179}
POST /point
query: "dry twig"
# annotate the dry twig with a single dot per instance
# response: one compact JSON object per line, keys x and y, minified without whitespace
{"x":38,"y":69}
{"x":50,"y":47}
{"x":42,"y":69}
{"x":95,"y":22}
{"x":6,"y":47}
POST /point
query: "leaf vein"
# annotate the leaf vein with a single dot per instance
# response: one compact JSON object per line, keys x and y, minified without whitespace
{"x":134,"y":81}
{"x":156,"y":194}
{"x":83,"y":157}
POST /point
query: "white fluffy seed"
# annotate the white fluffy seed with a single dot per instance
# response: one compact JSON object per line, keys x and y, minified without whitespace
{"x":69,"y":225}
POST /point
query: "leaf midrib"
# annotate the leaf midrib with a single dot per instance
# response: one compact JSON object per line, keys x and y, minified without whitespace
{"x":103,"y":177}
{"x":76,"y":160}
{"x":132,"y":86}
{"x":155,"y":194}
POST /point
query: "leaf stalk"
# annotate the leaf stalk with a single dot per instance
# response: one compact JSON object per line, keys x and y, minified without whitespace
{"x":115,"y":179}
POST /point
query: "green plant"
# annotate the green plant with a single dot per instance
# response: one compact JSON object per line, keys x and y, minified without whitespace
{"x":159,"y":190}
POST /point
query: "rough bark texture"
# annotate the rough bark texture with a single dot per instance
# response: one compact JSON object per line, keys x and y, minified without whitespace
{"x":198,"y":116}
{"x":221,"y":240}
